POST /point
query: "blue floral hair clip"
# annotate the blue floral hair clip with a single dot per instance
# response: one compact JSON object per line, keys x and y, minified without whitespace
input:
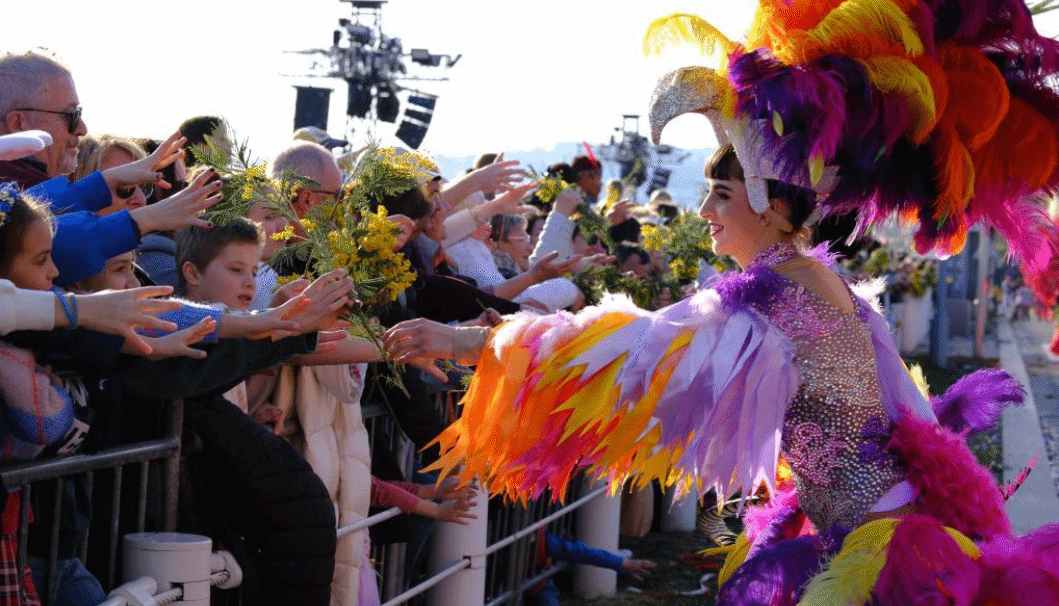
{"x":9,"y":193}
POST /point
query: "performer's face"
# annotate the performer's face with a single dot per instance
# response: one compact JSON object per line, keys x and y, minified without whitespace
{"x":734,"y":226}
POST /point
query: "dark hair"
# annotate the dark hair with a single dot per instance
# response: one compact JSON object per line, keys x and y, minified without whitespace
{"x":628,"y":249}
{"x":531,"y":221}
{"x":561,"y":170}
{"x":583,"y":164}
{"x":196,"y":130}
{"x":24,"y":211}
{"x":723,"y":165}
{"x":410,"y":203}
{"x":485,"y":159}
{"x":201,"y":246}
{"x":168,"y":173}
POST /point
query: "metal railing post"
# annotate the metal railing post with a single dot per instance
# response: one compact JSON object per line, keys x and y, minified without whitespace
{"x":455,"y":542}
{"x":598,"y":524}
{"x":680,"y":516}
{"x":171,"y":475}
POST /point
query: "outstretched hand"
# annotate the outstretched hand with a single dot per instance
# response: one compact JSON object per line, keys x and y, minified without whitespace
{"x":147,"y":170}
{"x":421,"y":338}
{"x":328,"y":297}
{"x":510,"y":202}
{"x":638,"y":569}
{"x":121,"y":312}
{"x":179,"y":343}
{"x":498,"y":176}
{"x":457,"y":511}
{"x":550,"y":267}
{"x":183,"y":208}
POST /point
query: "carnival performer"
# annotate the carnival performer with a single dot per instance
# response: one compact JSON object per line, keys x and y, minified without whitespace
{"x":941,"y":112}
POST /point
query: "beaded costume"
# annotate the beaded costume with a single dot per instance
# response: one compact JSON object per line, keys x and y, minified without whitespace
{"x":943,"y":113}
{"x":835,"y":431}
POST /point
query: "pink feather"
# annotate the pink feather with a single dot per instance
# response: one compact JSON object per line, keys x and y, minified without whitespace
{"x":953,"y":487}
{"x":925,"y":567}
{"x":1023,"y":570}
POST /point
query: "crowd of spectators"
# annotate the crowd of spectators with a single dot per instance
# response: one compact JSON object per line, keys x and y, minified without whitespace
{"x":118,"y":294}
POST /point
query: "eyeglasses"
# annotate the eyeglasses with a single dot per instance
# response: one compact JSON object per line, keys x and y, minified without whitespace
{"x":126,"y":191}
{"x":73,"y":117}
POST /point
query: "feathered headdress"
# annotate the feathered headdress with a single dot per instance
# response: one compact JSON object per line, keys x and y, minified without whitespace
{"x":941,"y":112}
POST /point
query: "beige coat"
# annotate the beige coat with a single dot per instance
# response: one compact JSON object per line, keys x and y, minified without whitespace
{"x":326,"y":402}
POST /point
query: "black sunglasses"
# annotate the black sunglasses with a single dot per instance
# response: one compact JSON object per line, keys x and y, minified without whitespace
{"x":73,"y":117}
{"x":126,"y":191}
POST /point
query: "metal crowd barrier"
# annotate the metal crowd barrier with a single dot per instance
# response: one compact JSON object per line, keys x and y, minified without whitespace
{"x":512,"y":565}
{"x":28,"y":477}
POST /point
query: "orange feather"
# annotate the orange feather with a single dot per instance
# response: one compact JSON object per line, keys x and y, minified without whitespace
{"x":1024,"y":150}
{"x":978,"y":94}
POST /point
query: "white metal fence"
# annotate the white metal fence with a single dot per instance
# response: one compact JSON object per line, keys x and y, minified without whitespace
{"x":506,"y":563}
{"x":512,"y":553}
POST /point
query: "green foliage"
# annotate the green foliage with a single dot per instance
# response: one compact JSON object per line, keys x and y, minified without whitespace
{"x":594,"y":282}
{"x":1043,"y":6}
{"x":382,"y":172}
{"x":684,"y":243}
{"x":245,"y":182}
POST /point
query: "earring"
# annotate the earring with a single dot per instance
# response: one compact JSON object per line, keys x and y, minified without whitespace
{"x":764,"y":220}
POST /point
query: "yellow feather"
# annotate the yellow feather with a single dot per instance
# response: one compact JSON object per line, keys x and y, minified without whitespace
{"x":868,"y":18}
{"x":894,"y":75}
{"x":734,"y":559}
{"x":851,"y":575}
{"x":965,"y":544}
{"x":816,"y":168}
{"x":916,"y":372}
{"x":684,"y":28}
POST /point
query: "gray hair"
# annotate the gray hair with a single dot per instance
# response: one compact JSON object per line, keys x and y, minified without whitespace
{"x":502,"y":226}
{"x":304,"y":159}
{"x":24,"y":73}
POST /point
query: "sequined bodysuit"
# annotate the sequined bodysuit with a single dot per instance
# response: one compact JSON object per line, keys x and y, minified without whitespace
{"x":835,"y":430}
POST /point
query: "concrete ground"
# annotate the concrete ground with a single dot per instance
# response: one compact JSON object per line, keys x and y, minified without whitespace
{"x":1033,"y":430}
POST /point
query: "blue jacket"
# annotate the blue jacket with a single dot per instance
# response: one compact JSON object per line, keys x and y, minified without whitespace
{"x":90,"y":194}
{"x":579,"y":553}
{"x":83,"y":241}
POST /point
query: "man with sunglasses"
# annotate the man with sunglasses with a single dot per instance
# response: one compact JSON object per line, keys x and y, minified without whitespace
{"x":37,"y":92}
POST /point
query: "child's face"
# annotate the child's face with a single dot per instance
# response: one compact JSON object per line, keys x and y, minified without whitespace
{"x":32,"y":268}
{"x":230,"y":278}
{"x":272,"y":222}
{"x":117,"y":274}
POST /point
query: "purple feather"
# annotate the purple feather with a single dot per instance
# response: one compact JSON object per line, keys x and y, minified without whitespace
{"x":757,"y":286}
{"x":980,"y":21}
{"x":778,"y":574}
{"x":975,"y":402}
{"x":784,"y":524}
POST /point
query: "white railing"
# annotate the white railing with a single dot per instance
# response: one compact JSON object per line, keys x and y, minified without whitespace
{"x":502,"y":564}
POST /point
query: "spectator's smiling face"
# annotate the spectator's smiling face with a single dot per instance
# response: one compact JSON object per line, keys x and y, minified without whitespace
{"x":518,"y":245}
